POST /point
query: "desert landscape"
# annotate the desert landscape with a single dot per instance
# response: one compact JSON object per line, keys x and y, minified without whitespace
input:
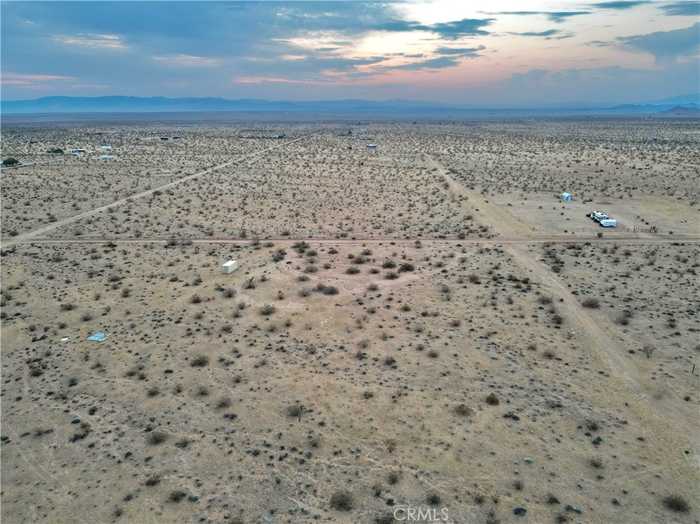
{"x":424,"y":324}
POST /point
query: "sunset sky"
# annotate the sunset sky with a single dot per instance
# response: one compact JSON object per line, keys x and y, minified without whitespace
{"x":494,"y":53}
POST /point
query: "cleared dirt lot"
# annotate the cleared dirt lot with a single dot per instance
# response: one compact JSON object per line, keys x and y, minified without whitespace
{"x":457,"y":354}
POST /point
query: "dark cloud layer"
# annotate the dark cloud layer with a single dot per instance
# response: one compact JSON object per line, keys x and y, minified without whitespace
{"x":666,"y":45}
{"x":219,"y":48}
{"x":689,"y":8}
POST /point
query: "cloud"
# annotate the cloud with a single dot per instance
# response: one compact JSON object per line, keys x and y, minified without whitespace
{"x":18,"y":79}
{"x":87,"y":40}
{"x":181,"y":60}
{"x":440,"y":62}
{"x":548,"y":32}
{"x":620,"y":5}
{"x":460,"y":51}
{"x":666,"y":45}
{"x":598,"y":86}
{"x":273,"y":80}
{"x":465,"y":27}
{"x":448,"y":30}
{"x":554,"y":16}
{"x":690,"y":8}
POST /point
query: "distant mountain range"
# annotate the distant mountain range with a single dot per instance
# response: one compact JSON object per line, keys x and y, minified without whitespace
{"x":687,"y":104}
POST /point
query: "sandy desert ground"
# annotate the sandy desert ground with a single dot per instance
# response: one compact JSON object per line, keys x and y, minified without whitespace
{"x":424,"y":326}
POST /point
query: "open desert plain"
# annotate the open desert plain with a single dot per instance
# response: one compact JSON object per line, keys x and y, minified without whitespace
{"x":419,"y":328}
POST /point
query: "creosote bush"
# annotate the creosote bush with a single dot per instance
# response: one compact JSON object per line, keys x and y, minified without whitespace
{"x":199,"y":361}
{"x":267,"y":310}
{"x":676,"y":503}
{"x":342,"y":501}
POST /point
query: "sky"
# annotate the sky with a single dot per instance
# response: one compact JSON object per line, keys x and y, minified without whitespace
{"x":477,"y":53}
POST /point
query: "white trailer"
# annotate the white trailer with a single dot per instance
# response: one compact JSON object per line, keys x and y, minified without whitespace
{"x":229,"y":266}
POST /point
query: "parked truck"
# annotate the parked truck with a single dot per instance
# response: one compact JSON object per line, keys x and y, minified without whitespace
{"x":602,"y":218}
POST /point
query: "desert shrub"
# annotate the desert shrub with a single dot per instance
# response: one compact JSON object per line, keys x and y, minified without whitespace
{"x":342,"y":501}
{"x":406,"y":267}
{"x":152,"y":481}
{"x":676,"y":503}
{"x":223,"y":403}
{"x":352,"y":270}
{"x":295,"y":410}
{"x":492,"y":400}
{"x":153,"y":392}
{"x":267,"y":310}
{"x":433,"y":499}
{"x":389,"y":264}
{"x":596,"y":463}
{"x":623,"y":318}
{"x":551,"y":499}
{"x":156,"y":437}
{"x":592,"y":303}
{"x":195,"y":299}
{"x":176,"y":496}
{"x":463,"y":410}
{"x":300,"y":247}
{"x":199,"y":361}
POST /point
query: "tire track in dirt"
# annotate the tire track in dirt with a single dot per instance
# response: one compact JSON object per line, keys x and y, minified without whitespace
{"x":74,"y":218}
{"x":596,"y":334}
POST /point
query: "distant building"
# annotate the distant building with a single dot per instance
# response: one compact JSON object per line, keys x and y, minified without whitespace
{"x":566,"y":197}
{"x":106,"y":157}
{"x":229,"y":266}
{"x":371,"y":147}
{"x":105,"y":147}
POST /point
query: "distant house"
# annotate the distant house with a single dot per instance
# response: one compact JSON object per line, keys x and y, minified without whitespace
{"x":106,"y":157}
{"x":566,"y":197}
{"x":371,"y":147}
{"x":105,"y":147}
{"x":76,"y":151}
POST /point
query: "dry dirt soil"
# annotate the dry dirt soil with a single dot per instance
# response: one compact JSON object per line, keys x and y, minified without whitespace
{"x":426,"y":325}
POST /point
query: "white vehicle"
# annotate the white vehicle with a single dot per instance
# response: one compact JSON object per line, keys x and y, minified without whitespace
{"x":602,"y":218}
{"x":598,"y":215}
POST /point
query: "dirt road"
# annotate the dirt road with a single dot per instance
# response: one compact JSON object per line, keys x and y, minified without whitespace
{"x":599,"y":335}
{"x":69,"y":220}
